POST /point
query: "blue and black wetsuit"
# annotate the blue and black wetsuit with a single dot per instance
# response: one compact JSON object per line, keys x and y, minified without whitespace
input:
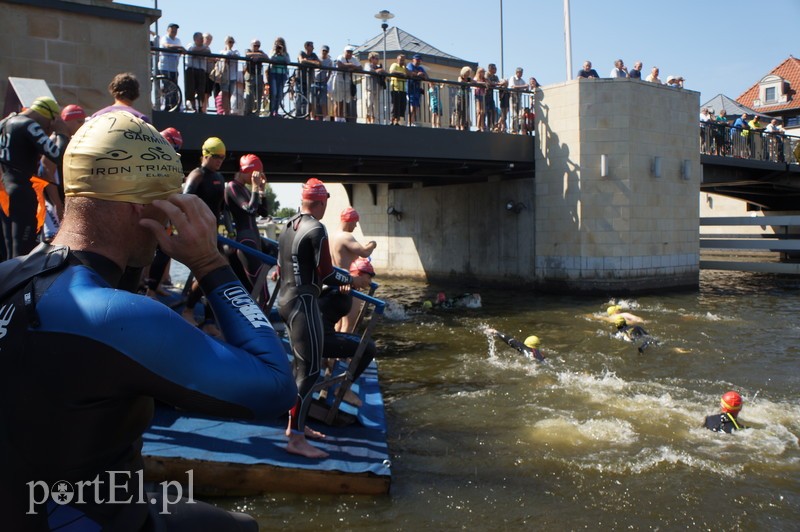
{"x":22,"y":143}
{"x":334,"y":305}
{"x":83,"y":363}
{"x":244,"y":206}
{"x":305,"y":265}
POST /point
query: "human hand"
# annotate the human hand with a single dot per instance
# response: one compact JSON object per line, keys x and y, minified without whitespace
{"x":194,"y":243}
{"x":59,"y":126}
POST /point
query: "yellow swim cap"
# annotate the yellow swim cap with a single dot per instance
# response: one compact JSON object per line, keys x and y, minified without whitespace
{"x":118,"y":157}
{"x":46,"y":106}
{"x":613,"y":309}
{"x":532,"y":342}
{"x":427,"y":304}
{"x":619,"y":321}
{"x":213,"y":146}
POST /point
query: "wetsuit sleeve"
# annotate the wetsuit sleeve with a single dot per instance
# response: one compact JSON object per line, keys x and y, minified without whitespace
{"x":237,"y":196}
{"x":519,"y":346}
{"x":325,"y":270}
{"x":193,"y":181}
{"x":52,"y":148}
{"x":153,"y":352}
{"x":263,"y":206}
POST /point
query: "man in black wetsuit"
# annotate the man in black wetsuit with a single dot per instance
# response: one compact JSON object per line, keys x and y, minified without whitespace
{"x":244,"y":206}
{"x":529,"y":348}
{"x":83,"y":362}
{"x":305,"y":265}
{"x":208,"y":184}
{"x":24,"y":138}
{"x":634,"y":333}
{"x":730,"y":406}
{"x":334,"y":304}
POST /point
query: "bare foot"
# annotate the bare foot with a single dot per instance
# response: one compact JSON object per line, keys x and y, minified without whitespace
{"x":352,"y":398}
{"x":314,"y":434}
{"x":298,"y":445}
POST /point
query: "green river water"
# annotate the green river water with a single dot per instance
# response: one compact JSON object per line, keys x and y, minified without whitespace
{"x":599,"y":437}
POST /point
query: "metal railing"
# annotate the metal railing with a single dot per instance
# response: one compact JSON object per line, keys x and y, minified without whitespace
{"x":784,"y":240}
{"x":311,"y":92}
{"x":718,"y":138}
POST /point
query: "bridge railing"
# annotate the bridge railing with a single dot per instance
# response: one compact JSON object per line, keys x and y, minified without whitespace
{"x":728,"y":251}
{"x":724,"y":140}
{"x":309,"y":92}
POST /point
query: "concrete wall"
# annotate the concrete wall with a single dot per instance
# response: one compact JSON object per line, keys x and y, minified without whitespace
{"x":76,"y":47}
{"x":629,"y":230}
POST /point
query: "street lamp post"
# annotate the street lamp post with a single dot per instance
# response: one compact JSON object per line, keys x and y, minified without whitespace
{"x":383,"y":16}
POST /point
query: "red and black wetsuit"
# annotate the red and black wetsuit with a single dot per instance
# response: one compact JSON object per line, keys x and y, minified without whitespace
{"x":22,"y":143}
{"x":305,"y":264}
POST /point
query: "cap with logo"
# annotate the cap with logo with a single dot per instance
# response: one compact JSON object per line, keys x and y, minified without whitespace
{"x":250,"y":163}
{"x":119,"y":157}
{"x":349,"y":215}
{"x":46,"y":106}
{"x":73,"y":112}
{"x":314,"y":190}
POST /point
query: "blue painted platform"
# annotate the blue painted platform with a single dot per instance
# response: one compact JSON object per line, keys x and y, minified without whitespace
{"x":236,"y":458}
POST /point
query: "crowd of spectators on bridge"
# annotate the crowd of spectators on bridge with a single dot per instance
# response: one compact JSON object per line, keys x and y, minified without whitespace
{"x":745,"y":136}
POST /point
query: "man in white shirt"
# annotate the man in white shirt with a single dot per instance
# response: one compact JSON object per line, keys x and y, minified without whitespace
{"x":517,"y":83}
{"x":619,"y":70}
{"x":168,"y":63}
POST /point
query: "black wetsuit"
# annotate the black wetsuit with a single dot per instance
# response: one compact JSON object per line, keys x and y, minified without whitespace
{"x":209,"y":187}
{"x":22,"y":143}
{"x":82,"y":369}
{"x":519,"y":346}
{"x":722,"y":423}
{"x":636,"y":333}
{"x":334,"y":305}
{"x":305,"y":265}
{"x":244,"y":206}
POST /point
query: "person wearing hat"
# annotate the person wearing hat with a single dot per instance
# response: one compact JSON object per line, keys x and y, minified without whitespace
{"x":343,"y":83}
{"x":304,"y":262}
{"x":335,"y":304}
{"x":344,"y":250}
{"x":88,"y":361}
{"x":168,"y":62}
{"x":208,"y":184}
{"x":633,"y":333}
{"x":245,"y":206}
{"x":675,"y":81}
{"x":416,"y":74}
{"x":529,"y":348}
{"x":25,"y":138}
{"x":726,"y":420}
{"x":319,"y":96}
{"x":616,"y":310}
{"x":51,"y":203}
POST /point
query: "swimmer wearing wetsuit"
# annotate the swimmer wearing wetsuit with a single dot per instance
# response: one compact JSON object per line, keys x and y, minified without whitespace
{"x":530,"y":348}
{"x":334,"y":304}
{"x":24,"y":138}
{"x":305,"y":264}
{"x":726,"y":420}
{"x":634,"y":333}
{"x":208,"y":184}
{"x":83,"y":361}
{"x":244,"y":206}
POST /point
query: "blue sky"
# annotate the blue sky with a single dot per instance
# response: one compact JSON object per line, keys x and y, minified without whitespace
{"x":716,"y":45}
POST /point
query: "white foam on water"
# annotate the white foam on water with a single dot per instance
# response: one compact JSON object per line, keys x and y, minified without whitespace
{"x":590,"y":434}
{"x":394,"y":311}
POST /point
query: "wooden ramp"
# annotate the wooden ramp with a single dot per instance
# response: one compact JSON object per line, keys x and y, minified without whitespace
{"x":238,"y":458}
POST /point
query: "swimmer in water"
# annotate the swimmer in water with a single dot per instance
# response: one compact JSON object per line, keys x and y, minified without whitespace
{"x":529,"y":348}
{"x":615,"y":310}
{"x":633,"y":333}
{"x":725,"y":421}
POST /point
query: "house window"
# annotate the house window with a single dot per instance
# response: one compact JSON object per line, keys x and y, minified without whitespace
{"x":769,"y":94}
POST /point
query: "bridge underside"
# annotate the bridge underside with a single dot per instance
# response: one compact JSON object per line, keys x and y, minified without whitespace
{"x":294,"y":150}
{"x":771,"y":186}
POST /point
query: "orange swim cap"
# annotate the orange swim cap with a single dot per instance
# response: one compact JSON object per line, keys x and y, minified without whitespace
{"x":731,"y":402}
{"x":250,"y":163}
{"x":349,"y":215}
{"x":314,"y":190}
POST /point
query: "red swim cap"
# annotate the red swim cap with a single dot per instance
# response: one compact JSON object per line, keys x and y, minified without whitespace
{"x":349,"y":215}
{"x":315,"y":190}
{"x":173,"y":136}
{"x":731,"y":402}
{"x":362,"y":265}
{"x":72,"y":112}
{"x":250,"y":163}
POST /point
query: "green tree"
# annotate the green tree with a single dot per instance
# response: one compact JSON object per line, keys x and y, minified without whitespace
{"x":272,"y":200}
{"x":285,"y":212}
